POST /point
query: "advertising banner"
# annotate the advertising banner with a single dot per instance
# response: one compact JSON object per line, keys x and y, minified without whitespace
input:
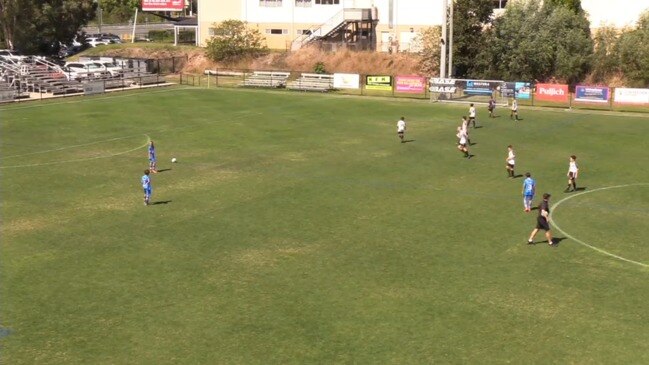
{"x":378,"y":83}
{"x":347,"y":81}
{"x":410,"y":84}
{"x":552,"y":92}
{"x":441,"y":85}
{"x":6,"y":95}
{"x":591,"y":94}
{"x":477,"y":87}
{"x":631,"y":96}
{"x":519,"y":90}
{"x":93,"y":87}
{"x":163,"y":5}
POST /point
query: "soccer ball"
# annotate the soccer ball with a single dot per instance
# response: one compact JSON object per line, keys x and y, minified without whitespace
{"x":174,"y":160}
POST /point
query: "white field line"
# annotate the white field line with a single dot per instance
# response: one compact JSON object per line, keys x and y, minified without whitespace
{"x":80,"y":159}
{"x":82,"y":99}
{"x":556,"y":205}
{"x":68,"y":147}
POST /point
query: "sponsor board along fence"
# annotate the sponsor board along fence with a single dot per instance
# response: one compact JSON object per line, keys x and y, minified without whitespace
{"x":457,"y":90}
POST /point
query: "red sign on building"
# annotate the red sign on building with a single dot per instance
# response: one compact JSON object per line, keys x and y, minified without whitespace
{"x":163,"y":5}
{"x":552,"y":92}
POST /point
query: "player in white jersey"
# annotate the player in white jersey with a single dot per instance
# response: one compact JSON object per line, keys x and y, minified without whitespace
{"x":573,"y":172}
{"x":510,"y":161}
{"x":465,"y":129}
{"x":401,"y":128}
{"x":472,"y":115}
{"x":514,"y":112}
{"x":462,"y":143}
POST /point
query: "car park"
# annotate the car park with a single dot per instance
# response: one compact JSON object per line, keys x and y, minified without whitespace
{"x":84,"y":70}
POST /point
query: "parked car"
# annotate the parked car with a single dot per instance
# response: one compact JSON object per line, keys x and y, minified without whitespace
{"x":94,"y":42}
{"x":112,"y":68}
{"x":84,"y":70}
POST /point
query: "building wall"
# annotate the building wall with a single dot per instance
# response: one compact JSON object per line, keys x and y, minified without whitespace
{"x":289,"y":19}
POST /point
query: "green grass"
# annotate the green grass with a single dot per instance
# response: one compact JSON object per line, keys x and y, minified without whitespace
{"x":296,"y":229}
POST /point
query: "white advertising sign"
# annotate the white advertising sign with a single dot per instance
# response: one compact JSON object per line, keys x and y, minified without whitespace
{"x":347,"y":81}
{"x":631,"y":96}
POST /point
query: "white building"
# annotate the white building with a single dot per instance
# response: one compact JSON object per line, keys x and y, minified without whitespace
{"x":381,"y":24}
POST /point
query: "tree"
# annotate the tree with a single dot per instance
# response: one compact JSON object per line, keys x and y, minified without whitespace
{"x":574,"y":5}
{"x":606,"y":60}
{"x":633,"y":50}
{"x":118,"y":10}
{"x":33,"y":26}
{"x":233,"y":40}
{"x":428,"y":42}
{"x":532,"y":41}
{"x":470,"y":17}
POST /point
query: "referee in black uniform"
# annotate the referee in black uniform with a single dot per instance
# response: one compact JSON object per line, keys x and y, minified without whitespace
{"x":543,"y":221}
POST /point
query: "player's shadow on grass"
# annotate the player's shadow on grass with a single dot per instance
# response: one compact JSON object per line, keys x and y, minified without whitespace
{"x":535,"y":208}
{"x":478,"y":127}
{"x":581,"y":189}
{"x":161,"y":202}
{"x":408,"y":140}
{"x":557,"y":240}
{"x":473,"y":143}
{"x":163,"y":170}
{"x":517,"y":176}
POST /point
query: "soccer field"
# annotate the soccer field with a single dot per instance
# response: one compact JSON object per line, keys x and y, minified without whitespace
{"x":296,"y":229}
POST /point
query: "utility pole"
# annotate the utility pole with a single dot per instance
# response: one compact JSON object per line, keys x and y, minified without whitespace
{"x":450,"y":44}
{"x":442,"y":41}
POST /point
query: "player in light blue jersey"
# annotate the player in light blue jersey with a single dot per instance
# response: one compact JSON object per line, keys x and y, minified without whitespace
{"x":529,"y":188}
{"x":152,"y":158}
{"x":146,"y":185}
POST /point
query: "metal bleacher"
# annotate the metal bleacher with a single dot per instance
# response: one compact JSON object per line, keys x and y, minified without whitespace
{"x":30,"y":75}
{"x":275,"y":79}
{"x":312,"y":82}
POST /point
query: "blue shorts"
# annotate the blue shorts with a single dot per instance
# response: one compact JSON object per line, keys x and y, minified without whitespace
{"x":151,"y":159}
{"x":147,"y":191}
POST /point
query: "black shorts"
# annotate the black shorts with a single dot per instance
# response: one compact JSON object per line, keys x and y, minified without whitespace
{"x":471,"y":119}
{"x":490,"y":109}
{"x":400,"y":133}
{"x":510,"y":166}
{"x":571,"y":175}
{"x":542,"y":223}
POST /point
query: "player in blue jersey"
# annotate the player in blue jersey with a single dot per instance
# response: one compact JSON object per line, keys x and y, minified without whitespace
{"x":146,"y":185}
{"x":152,"y":159}
{"x":529,"y":188}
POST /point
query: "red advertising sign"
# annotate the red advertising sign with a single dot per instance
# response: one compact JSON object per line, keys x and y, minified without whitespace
{"x":163,"y":5}
{"x":410,"y":84}
{"x":552,"y":92}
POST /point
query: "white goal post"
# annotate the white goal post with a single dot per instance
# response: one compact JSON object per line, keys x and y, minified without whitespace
{"x":468,"y":91}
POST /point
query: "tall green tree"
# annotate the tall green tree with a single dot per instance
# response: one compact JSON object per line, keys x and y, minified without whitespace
{"x":574,"y":5}
{"x":533,"y":41}
{"x":633,"y":50}
{"x":33,"y":26}
{"x":234,"y":40}
{"x":470,"y":17}
{"x":606,"y":59}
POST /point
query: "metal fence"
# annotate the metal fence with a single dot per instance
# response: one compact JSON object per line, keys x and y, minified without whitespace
{"x":237,"y":78}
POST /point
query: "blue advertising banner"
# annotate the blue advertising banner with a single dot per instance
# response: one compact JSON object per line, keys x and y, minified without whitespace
{"x":523,"y":90}
{"x":477,"y":87}
{"x":592,"y":94}
{"x":519,"y":90}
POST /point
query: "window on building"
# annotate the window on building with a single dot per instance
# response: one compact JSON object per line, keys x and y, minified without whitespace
{"x":499,"y":4}
{"x":327,"y":2}
{"x":303,"y":3}
{"x":270,"y":3}
{"x":303,"y":31}
{"x":276,"y":31}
